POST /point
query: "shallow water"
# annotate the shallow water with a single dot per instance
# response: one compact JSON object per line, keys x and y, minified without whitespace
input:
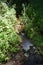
{"x":32,"y":57}
{"x":26,"y":43}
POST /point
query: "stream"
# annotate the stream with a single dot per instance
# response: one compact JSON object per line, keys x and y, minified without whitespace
{"x":32,"y":57}
{"x":28,"y":54}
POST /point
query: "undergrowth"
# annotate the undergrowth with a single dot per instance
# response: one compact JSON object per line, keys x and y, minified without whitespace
{"x":33,"y":26}
{"x":9,"y":39}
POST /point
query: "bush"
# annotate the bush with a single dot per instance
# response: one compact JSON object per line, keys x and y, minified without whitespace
{"x":33,"y":25}
{"x":9,"y":39}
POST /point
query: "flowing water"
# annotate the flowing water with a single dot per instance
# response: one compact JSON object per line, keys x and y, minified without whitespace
{"x":30,"y":52}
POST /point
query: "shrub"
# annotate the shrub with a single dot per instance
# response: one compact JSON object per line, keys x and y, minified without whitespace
{"x":9,"y":39}
{"x":33,"y":25}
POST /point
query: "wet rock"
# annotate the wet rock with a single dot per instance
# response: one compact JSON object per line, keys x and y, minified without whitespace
{"x":26,"y":55}
{"x":19,"y":56}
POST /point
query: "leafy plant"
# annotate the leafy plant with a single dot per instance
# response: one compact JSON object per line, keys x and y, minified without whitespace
{"x":33,"y":25}
{"x":9,"y":39}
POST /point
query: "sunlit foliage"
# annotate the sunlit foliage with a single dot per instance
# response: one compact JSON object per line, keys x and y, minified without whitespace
{"x":9,"y":39}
